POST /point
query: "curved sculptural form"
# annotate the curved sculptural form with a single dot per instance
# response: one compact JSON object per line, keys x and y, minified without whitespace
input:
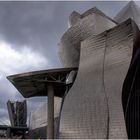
{"x":83,"y":26}
{"x":93,"y":106}
{"x":131,"y":92}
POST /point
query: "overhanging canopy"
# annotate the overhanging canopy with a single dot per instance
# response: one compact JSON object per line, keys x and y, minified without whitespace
{"x":32,"y":84}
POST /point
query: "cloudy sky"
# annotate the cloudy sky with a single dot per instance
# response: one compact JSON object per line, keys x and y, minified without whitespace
{"x":29,"y":34}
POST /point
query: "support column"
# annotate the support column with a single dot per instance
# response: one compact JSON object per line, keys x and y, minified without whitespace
{"x":8,"y":133}
{"x":50,"y":126}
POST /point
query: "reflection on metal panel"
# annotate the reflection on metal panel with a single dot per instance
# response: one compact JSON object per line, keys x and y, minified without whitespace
{"x":71,"y":77}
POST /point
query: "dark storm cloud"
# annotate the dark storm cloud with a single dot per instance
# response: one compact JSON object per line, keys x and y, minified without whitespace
{"x":41,"y":24}
{"x":25,"y":24}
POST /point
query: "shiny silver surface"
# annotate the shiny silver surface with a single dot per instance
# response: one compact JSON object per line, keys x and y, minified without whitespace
{"x":93,"y":106}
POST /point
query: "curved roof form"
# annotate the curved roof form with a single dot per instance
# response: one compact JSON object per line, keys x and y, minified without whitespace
{"x":131,"y":10}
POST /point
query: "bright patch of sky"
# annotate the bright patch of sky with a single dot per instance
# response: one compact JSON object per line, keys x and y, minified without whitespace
{"x":13,"y":61}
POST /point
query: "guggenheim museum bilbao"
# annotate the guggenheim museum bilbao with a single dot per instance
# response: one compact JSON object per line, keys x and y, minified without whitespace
{"x":97,"y":93}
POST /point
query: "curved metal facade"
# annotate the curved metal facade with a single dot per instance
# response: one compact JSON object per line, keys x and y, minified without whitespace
{"x":93,"y":106}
